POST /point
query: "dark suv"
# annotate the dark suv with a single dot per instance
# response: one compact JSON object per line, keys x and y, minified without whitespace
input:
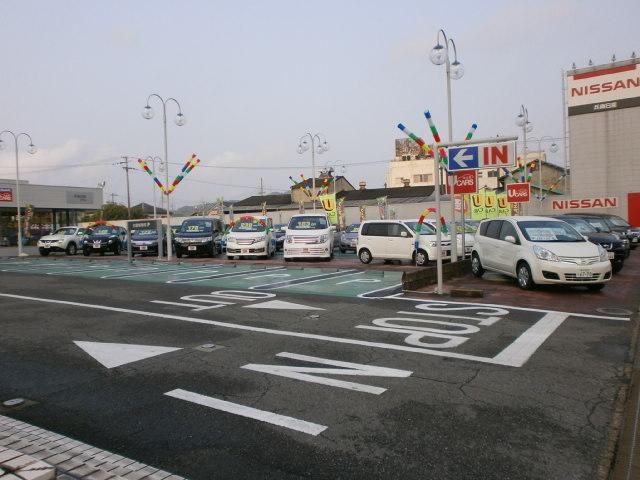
{"x":611,"y":243}
{"x":199,"y":235}
{"x":603,"y":226}
{"x":616,"y":224}
{"x":144,"y":239}
{"x":104,"y":238}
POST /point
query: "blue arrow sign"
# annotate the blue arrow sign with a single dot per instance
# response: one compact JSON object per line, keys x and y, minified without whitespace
{"x":463,"y":158}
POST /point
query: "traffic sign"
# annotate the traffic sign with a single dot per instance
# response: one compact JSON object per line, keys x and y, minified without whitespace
{"x":464,"y":181}
{"x":486,"y":155}
{"x":518,"y":192}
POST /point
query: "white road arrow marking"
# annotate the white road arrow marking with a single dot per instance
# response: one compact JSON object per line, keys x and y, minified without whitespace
{"x":282,"y":305}
{"x":310,"y":374}
{"x":116,"y":354}
{"x":461,"y":156}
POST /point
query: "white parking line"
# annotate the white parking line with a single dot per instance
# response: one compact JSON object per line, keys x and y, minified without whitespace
{"x":248,"y":412}
{"x":294,"y":282}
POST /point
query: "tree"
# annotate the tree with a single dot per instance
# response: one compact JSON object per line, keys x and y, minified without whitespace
{"x":115,"y":211}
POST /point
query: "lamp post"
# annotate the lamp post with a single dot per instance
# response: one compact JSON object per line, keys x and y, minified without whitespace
{"x":147,"y":113}
{"x":522,"y":121}
{"x":322,"y":146}
{"x":153,"y":162}
{"x":454,"y":70}
{"x":31,"y":149}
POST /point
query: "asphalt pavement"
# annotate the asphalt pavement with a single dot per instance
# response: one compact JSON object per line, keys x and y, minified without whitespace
{"x":214,"y":382}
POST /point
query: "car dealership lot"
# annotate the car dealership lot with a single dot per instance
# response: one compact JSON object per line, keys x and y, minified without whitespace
{"x":390,"y":386}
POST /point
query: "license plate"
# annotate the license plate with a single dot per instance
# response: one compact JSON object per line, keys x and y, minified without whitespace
{"x":634,"y":239}
{"x":584,"y":273}
{"x":305,"y":250}
{"x":96,"y":245}
{"x":611,"y":255}
{"x":47,"y":246}
{"x":445,"y":253}
{"x":192,"y":248}
{"x":245,"y":250}
{"x":143,"y":247}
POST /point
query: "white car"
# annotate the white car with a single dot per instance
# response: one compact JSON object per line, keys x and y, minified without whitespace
{"x":468,"y":237}
{"x":251,"y":237}
{"x":539,"y":250}
{"x":65,"y":239}
{"x":309,"y":235}
{"x":395,"y":240}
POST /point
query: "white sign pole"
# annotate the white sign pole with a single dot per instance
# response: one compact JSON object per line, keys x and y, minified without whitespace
{"x":436,"y":170}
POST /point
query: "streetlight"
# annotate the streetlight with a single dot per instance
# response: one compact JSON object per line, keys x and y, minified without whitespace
{"x":522,"y":121}
{"x":321,"y":147}
{"x":153,"y":162}
{"x":553,"y":148}
{"x":31,"y":149}
{"x":180,"y":120}
{"x":440,"y":55}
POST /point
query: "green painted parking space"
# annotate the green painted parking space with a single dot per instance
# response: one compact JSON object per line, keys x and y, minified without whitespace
{"x":310,"y":281}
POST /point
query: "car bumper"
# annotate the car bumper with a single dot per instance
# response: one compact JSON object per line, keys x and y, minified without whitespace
{"x":193,"y":248}
{"x":144,"y":249}
{"x":432,"y":252}
{"x":570,"y":274}
{"x":247,"y":250}
{"x":348,"y":246}
{"x":309,"y":251}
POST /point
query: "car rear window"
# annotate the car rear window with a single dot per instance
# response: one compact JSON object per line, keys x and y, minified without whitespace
{"x":376,"y":229}
{"x":493,"y":229}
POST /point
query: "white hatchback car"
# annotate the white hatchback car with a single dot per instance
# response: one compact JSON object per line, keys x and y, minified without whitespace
{"x":539,"y":250}
{"x":65,"y":239}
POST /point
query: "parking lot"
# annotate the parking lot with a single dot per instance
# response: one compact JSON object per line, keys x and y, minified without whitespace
{"x":222,"y":371}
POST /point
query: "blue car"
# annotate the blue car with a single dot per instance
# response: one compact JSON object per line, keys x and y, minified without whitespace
{"x":349,"y":238}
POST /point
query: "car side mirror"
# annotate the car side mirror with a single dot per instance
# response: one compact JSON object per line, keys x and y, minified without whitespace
{"x":403,"y":234}
{"x":510,"y":239}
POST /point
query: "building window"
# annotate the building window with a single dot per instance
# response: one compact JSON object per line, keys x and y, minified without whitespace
{"x":406,"y":158}
{"x":492,"y":173}
{"x":424,"y":177}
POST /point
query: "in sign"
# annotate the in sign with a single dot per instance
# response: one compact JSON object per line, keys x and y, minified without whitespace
{"x":487,"y":155}
{"x":518,"y":192}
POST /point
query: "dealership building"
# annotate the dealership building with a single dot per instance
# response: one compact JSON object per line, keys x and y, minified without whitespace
{"x":603,"y":111}
{"x":44,"y":208}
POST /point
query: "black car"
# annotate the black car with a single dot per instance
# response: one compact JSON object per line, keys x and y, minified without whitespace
{"x":279,"y":230}
{"x":617,"y":225}
{"x":603,"y":226}
{"x":102,"y":239}
{"x":199,"y":236}
{"x":144,"y":239}
{"x":610,"y":242}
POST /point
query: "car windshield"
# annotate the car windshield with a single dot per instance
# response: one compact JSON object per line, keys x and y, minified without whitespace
{"x":580,"y":225}
{"x":196,"y":226}
{"x":279,"y":227}
{"x":353,"y":228}
{"x":426,"y":228}
{"x":103,"y":230}
{"x":251,"y":225}
{"x":146,"y":232}
{"x":308,"y":223}
{"x":618,"y":222}
{"x":65,"y":231}
{"x":599,"y":224}
{"x":549,"y":231}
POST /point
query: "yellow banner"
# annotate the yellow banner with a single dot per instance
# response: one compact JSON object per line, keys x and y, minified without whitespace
{"x":329,"y":205}
{"x":476,"y":204}
{"x":490,"y":205}
{"x":504,"y":207}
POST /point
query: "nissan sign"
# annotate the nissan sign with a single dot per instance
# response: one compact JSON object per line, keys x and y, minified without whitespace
{"x":600,"y":202}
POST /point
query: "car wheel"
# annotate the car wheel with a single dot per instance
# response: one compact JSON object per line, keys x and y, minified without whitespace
{"x":525,"y":279}
{"x":421,"y":258}
{"x":342,"y":250}
{"x":365,"y":256}
{"x":86,"y":252}
{"x":230,"y":257}
{"x":617,"y":266}
{"x":596,"y":287}
{"x":178,"y":253}
{"x":476,"y":266}
{"x":72,"y":249}
{"x":44,"y":252}
{"x":116,"y":249}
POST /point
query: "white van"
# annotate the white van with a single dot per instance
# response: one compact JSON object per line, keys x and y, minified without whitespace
{"x":309,"y":235}
{"x":251,"y":237}
{"x":395,"y":240}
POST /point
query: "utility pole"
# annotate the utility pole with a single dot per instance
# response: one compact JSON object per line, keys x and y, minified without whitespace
{"x":261,"y":187}
{"x":127,"y":168}
{"x":113,"y":197}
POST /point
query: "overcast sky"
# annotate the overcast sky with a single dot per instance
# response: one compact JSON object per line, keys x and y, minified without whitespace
{"x":254,"y":76}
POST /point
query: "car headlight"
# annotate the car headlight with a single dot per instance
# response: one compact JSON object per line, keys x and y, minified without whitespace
{"x":433,"y":244}
{"x":544,"y":254}
{"x":289,"y":239}
{"x":111,"y":240}
{"x":323,"y":238}
{"x":604,"y":256}
{"x":260,"y":239}
{"x":231,"y":240}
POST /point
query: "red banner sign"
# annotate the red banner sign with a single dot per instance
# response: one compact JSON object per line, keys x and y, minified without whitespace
{"x":518,"y":192}
{"x":6,"y":195}
{"x":464,"y":181}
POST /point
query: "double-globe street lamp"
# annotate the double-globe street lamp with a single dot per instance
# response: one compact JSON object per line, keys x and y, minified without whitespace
{"x":180,"y":120}
{"x":454,"y":70}
{"x":31,"y":149}
{"x":522,"y":121}
{"x":321,"y":147}
{"x":553,"y":148}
